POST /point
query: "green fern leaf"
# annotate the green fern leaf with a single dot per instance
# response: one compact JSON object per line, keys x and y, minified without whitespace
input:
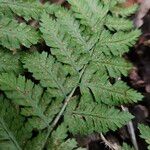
{"x":50,"y":73}
{"x":114,"y":65}
{"x":124,"y":12}
{"x":14,"y":34}
{"x":28,"y":10}
{"x":104,"y":91}
{"x":145,"y":133}
{"x":30,"y":96}
{"x":9,"y":62}
{"x":55,"y":38}
{"x":90,"y":117}
{"x":118,"y":43}
{"x":115,"y":23}
{"x":74,"y":84}
{"x":14,"y":133}
{"x":58,"y":140}
{"x":72,"y":27}
{"x":91,"y":13}
{"x":37,"y":142}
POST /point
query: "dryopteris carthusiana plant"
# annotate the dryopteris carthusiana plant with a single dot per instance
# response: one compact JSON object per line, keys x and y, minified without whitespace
{"x":64,"y":87}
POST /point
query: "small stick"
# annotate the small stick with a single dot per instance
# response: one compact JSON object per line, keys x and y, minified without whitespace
{"x":131,"y":130}
{"x":143,"y":10}
{"x":109,"y":144}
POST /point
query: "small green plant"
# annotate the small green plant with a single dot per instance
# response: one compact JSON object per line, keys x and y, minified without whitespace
{"x":145,"y":133}
{"x":56,"y":80}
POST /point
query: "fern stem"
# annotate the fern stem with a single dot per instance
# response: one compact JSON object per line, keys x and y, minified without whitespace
{"x":10,"y":135}
{"x":50,"y":128}
{"x":62,"y":109}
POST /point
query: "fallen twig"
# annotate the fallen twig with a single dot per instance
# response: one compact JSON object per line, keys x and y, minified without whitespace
{"x":131,"y":130}
{"x":112,"y":146}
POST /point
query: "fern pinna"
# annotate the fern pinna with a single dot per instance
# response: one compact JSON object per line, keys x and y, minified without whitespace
{"x":64,"y":86}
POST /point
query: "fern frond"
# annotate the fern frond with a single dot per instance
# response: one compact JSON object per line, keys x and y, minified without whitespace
{"x":124,"y":12}
{"x":72,"y":27}
{"x":114,"y":65}
{"x":59,"y":140}
{"x":9,"y":62}
{"x":72,"y":84}
{"x":104,"y":91}
{"x":37,"y":142}
{"x":90,"y":117}
{"x":145,"y":133}
{"x":55,"y":38}
{"x":13,"y":34}
{"x":116,"y":23}
{"x":91,"y":13}
{"x":118,"y":43}
{"x":14,"y":134}
{"x":23,"y":92}
{"x":27,"y":10}
{"x":50,"y":73}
